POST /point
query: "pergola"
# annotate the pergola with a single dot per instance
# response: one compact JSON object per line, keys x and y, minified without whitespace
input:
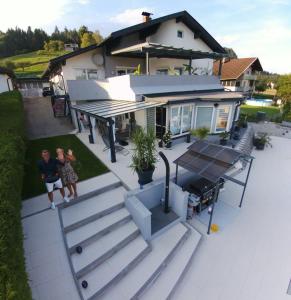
{"x":213,"y":162}
{"x":146,"y":50}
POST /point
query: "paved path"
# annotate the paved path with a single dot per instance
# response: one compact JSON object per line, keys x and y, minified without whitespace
{"x":272,"y":129}
{"x":40,"y":121}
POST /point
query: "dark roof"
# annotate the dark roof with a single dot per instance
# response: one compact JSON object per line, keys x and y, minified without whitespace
{"x":234,"y":68}
{"x":182,"y":16}
{"x":208,"y":160}
{"x":6,"y":71}
{"x":145,"y":28}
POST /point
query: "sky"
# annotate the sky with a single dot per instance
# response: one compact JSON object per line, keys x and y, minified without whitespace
{"x":260,"y":28}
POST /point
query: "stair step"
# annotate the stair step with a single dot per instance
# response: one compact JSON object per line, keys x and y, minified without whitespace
{"x":100,"y":250}
{"x":86,"y":234}
{"x":113,"y":269}
{"x":86,"y":211}
{"x":163,"y":247}
{"x":166,"y":283}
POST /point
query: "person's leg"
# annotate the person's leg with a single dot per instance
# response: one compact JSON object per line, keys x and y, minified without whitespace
{"x":58,"y":184}
{"x":51,"y":196}
{"x":69,"y":186}
{"x":75,"y":189}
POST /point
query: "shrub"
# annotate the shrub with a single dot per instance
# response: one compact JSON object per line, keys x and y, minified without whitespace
{"x":13,"y":278}
{"x":201,"y":133}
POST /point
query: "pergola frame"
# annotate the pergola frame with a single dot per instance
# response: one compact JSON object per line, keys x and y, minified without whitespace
{"x":248,"y":159}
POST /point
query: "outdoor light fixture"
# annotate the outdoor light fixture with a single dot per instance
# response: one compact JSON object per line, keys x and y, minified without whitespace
{"x":84,"y":284}
{"x":216,"y":104}
{"x":79,"y":249}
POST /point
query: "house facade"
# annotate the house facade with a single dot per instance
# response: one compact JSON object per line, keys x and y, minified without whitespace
{"x":6,"y":80}
{"x":157,"y":74}
{"x":239,"y":74}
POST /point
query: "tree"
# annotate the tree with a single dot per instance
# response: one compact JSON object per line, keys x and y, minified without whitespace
{"x":83,"y":29}
{"x":97,"y":37}
{"x":230,"y":52}
{"x":87,"y":40}
{"x":8,"y":64}
{"x":284,"y":87}
{"x":261,"y":84}
{"x":53,"y":46}
{"x":23,"y":64}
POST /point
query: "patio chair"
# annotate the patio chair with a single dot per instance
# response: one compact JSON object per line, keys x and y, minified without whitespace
{"x":118,"y":148}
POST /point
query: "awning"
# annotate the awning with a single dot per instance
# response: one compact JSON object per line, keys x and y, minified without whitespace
{"x":109,"y":108}
{"x":158,"y":50}
{"x":208,"y":160}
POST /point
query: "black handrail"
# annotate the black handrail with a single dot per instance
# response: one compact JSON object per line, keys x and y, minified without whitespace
{"x":163,"y":156}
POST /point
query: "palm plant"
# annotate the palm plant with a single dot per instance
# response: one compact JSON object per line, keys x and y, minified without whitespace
{"x":144,"y":153}
{"x":201,"y":133}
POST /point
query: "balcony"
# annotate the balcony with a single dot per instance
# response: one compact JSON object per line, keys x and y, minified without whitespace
{"x":250,"y":77}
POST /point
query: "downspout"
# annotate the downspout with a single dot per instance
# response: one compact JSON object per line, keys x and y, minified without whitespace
{"x":8,"y":84}
{"x":166,"y":208}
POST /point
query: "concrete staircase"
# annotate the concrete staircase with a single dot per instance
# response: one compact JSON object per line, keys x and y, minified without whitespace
{"x":116,"y":262}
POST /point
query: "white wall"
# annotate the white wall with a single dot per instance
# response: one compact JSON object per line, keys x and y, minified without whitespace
{"x":3,"y":83}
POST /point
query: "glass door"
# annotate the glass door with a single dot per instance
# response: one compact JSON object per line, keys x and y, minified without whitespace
{"x":222,"y":118}
{"x":175,"y":120}
{"x":204,"y":117}
{"x":186,"y":118}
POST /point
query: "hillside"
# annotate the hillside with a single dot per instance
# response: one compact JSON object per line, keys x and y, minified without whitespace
{"x":38,"y":61}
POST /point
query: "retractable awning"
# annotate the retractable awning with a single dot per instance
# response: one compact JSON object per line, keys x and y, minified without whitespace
{"x":110,"y":108}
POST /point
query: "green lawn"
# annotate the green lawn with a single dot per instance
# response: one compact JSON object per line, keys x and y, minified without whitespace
{"x":270,"y":111}
{"x":88,"y":165}
{"x":38,"y":60}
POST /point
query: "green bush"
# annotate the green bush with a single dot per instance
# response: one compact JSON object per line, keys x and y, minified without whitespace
{"x":13,"y":278}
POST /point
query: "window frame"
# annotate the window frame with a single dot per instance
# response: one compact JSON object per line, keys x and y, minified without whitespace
{"x":180,"y":34}
{"x":212,"y":115}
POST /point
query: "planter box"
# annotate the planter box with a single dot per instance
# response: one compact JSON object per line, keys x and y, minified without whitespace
{"x":286,"y":123}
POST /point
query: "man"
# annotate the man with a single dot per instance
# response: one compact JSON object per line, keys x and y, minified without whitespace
{"x":48,"y":168}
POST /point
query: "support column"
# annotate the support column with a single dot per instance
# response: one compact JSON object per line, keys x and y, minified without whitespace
{"x":92,"y":129}
{"x":220,"y":67}
{"x":147,"y":63}
{"x":212,"y":206}
{"x":111,"y":140}
{"x":77,"y":120}
{"x":190,"y":66}
{"x":245,"y":186}
{"x":176,"y":177}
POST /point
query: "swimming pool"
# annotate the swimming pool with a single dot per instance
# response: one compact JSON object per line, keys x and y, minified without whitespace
{"x":259,"y":102}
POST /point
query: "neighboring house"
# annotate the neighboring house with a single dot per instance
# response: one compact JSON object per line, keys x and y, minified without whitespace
{"x":239,"y":74}
{"x":138,"y":76}
{"x":71,"y":47}
{"x":32,"y":86}
{"x":6,"y":80}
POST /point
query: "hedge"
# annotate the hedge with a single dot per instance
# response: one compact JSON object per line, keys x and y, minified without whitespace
{"x":13,"y":278}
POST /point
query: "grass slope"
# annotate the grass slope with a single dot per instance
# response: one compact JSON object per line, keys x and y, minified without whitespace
{"x":270,"y":111}
{"x":38,"y":62}
{"x":88,"y":165}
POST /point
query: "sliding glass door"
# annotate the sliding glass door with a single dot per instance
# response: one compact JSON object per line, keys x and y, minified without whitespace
{"x":180,"y":119}
{"x":204,"y":116}
{"x":222,"y":118}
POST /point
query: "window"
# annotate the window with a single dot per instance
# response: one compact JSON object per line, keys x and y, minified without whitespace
{"x":92,"y":74}
{"x":180,"y":34}
{"x":222,"y":118}
{"x":237,"y":83}
{"x":175,"y":120}
{"x":80,"y":74}
{"x":125,"y":70}
{"x":162,"y":71}
{"x":204,"y":117}
{"x":186,"y":118}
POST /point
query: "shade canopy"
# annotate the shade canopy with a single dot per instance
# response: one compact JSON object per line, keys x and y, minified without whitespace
{"x":209,"y":160}
{"x":159,"y":50}
{"x":109,"y":108}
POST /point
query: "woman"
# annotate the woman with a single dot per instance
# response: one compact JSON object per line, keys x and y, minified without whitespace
{"x":66,"y":171}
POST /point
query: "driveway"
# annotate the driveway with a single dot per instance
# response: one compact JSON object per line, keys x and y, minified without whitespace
{"x":40,"y":121}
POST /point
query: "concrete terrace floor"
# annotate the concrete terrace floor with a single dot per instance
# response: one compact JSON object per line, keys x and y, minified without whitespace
{"x":248,"y":259}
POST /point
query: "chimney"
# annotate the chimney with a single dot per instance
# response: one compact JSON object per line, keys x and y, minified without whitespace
{"x":146,"y":16}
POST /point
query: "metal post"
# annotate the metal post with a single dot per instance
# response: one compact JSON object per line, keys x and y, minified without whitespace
{"x":163,"y":156}
{"x":220,"y":67}
{"x":242,"y":197}
{"x":78,"y":121}
{"x":111,"y":141}
{"x":212,"y":206}
{"x":190,"y":66}
{"x":90,"y":128}
{"x":176,"y":177}
{"x":147,"y":64}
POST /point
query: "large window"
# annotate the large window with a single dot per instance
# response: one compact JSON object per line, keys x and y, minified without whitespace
{"x":204,"y":116}
{"x":186,"y":118}
{"x":222,"y":118}
{"x":162,"y":71}
{"x":80,"y":74}
{"x":175,"y":120}
{"x":86,"y":74}
{"x":124,"y":70}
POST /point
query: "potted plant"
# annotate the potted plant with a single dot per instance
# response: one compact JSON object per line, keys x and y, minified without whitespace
{"x":262,"y":140}
{"x":167,"y":138}
{"x":242,"y":122}
{"x":223,"y":138}
{"x":144,"y":155}
{"x":201,"y":133}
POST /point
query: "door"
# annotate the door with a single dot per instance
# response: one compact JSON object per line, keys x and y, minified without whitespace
{"x":204,"y":115}
{"x":161,"y":113}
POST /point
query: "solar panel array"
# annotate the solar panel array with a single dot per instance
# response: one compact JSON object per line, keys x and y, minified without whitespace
{"x":208,"y":160}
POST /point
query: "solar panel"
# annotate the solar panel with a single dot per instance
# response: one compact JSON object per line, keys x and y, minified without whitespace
{"x":228,"y":155}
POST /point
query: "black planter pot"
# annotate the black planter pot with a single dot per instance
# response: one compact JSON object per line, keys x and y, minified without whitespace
{"x":245,"y":125}
{"x":236,"y":128}
{"x":169,"y":145}
{"x":161,"y":144}
{"x":260,"y":146}
{"x":236,"y":136}
{"x":188,"y":138}
{"x":145,"y":176}
{"x":223,"y":142}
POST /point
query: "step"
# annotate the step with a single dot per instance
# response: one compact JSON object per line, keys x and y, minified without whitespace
{"x":100,"y":250}
{"x":112,"y":270}
{"x":170,"y":277}
{"x":163,"y":247}
{"x":86,"y":211}
{"x":88,"y":233}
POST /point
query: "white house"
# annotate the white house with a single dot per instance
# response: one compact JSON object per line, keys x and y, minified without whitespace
{"x":239,"y":74}
{"x":6,"y":80}
{"x":157,"y":74}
